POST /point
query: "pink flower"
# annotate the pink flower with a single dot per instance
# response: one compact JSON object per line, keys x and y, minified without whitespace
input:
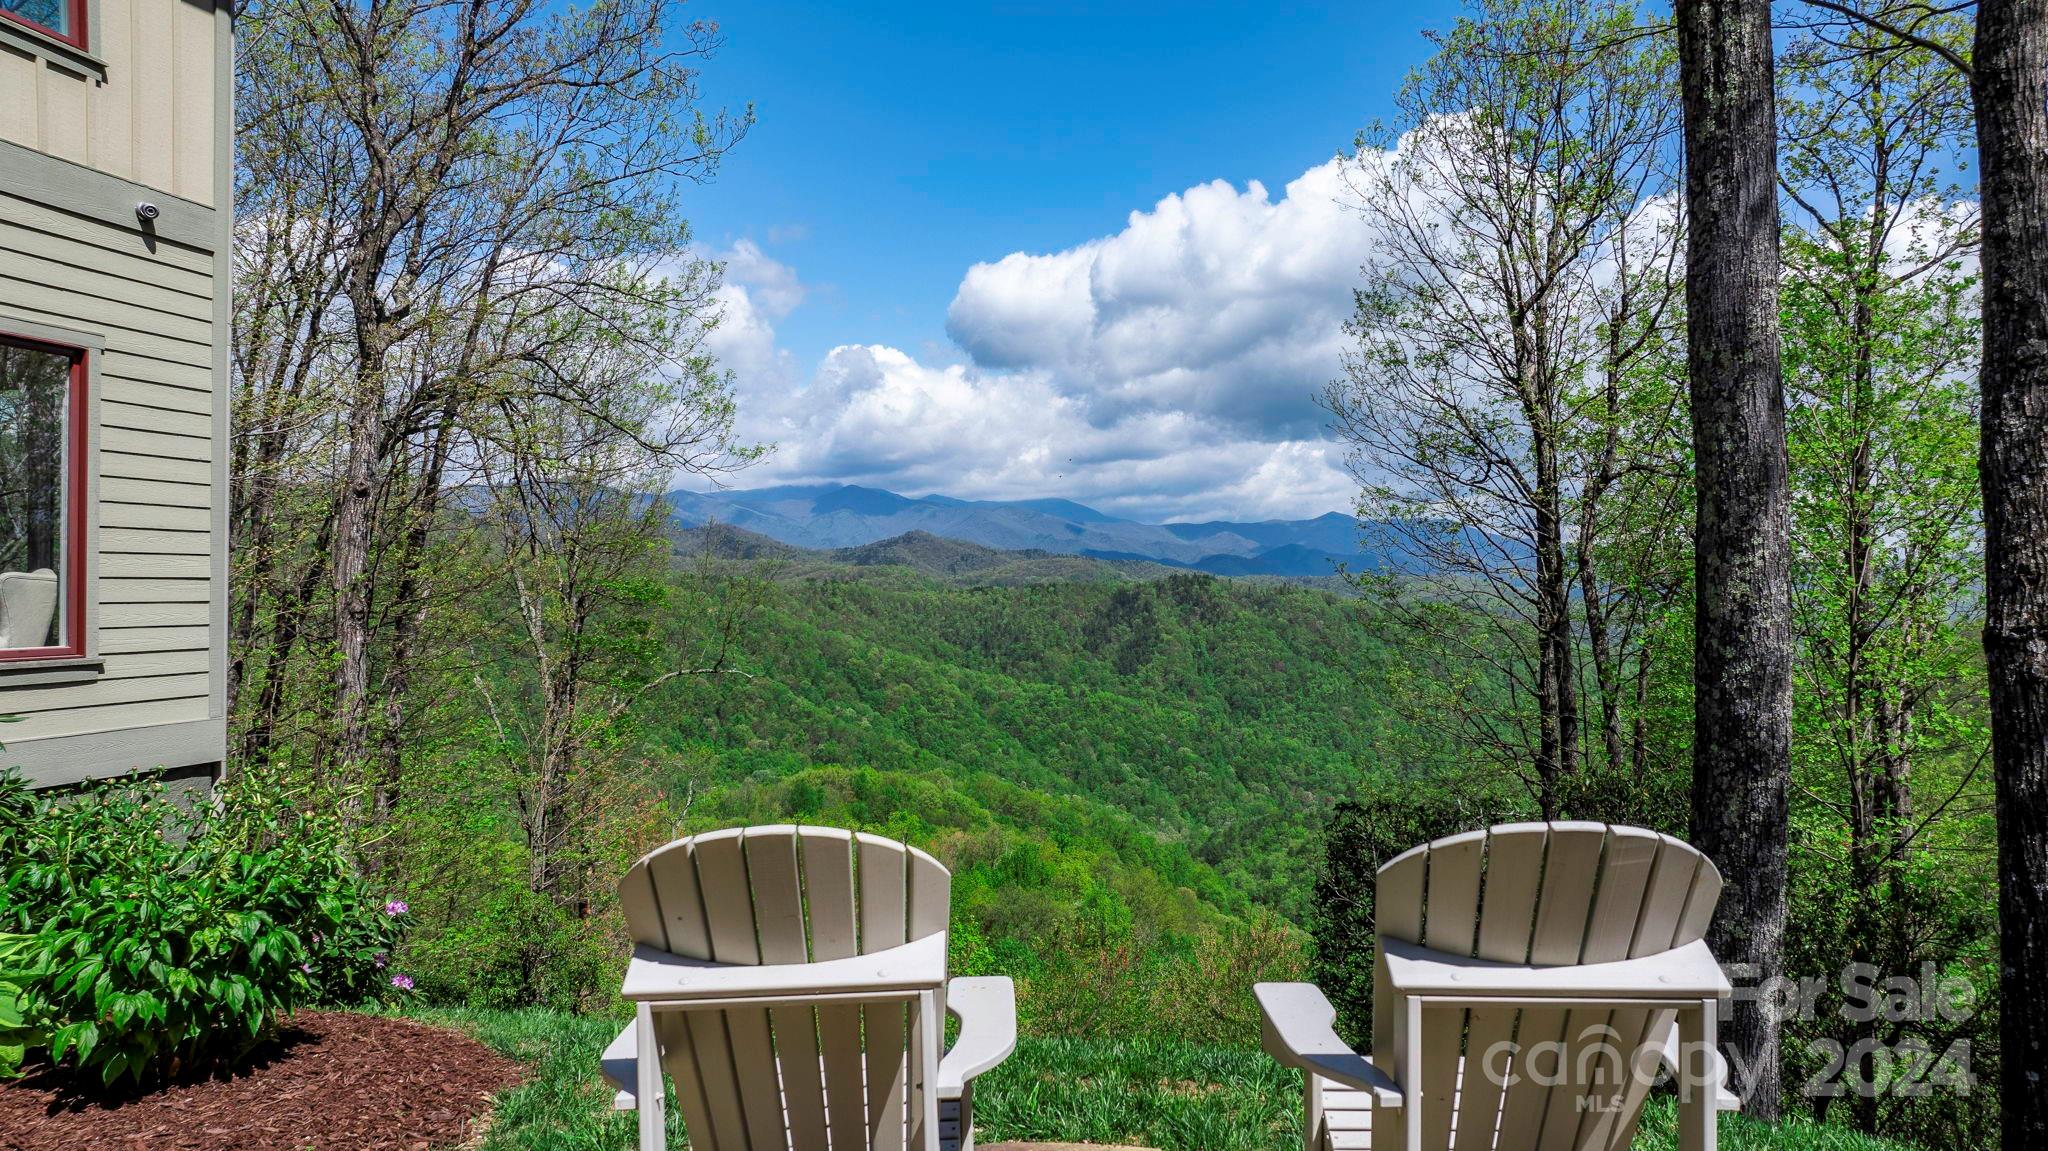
{"x":378,"y":959}
{"x":396,"y":907}
{"x":306,"y":967}
{"x":402,"y":982}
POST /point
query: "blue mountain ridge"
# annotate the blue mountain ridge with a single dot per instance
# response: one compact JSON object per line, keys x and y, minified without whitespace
{"x":849,"y":515}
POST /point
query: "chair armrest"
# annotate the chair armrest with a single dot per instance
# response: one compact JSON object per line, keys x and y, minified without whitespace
{"x":1297,"y":1028}
{"x":987,"y":1009}
{"x":1724,"y":1099}
{"x":657,"y":976}
{"x":620,"y":1063}
{"x":1687,"y":972}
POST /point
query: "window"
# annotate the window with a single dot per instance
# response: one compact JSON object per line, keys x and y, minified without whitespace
{"x":64,"y":19}
{"x":42,"y":499}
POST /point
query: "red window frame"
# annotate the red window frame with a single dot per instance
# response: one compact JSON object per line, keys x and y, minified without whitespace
{"x":71,"y":601}
{"x":77,"y":37}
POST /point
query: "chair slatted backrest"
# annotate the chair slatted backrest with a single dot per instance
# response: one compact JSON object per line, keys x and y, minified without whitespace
{"x":1548,"y":894}
{"x":28,"y":606}
{"x":841,"y":1074}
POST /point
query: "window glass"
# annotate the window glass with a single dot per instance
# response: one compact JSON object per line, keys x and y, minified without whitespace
{"x":54,"y":15}
{"x":35,"y":398}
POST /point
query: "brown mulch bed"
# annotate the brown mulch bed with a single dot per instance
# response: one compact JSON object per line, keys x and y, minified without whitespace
{"x":332,"y":1081}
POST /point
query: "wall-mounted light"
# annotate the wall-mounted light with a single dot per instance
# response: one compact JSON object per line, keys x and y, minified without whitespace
{"x":147,"y":211}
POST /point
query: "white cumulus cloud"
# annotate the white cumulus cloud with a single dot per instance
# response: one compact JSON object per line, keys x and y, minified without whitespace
{"x":1218,"y":301}
{"x":1166,"y":371}
{"x":756,"y":291}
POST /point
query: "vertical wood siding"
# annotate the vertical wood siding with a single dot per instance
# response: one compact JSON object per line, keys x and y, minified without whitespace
{"x":156,"y":398}
{"x":150,"y":120}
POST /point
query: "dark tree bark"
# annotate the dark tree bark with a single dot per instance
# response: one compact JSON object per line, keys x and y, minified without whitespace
{"x":2010,"y":84}
{"x":1742,"y":726}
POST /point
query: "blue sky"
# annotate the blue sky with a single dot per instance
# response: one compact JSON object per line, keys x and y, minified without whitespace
{"x":936,"y":281}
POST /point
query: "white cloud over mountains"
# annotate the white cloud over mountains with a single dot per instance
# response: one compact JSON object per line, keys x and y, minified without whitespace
{"x":1218,"y":301}
{"x":757,"y":292}
{"x":1168,"y":370}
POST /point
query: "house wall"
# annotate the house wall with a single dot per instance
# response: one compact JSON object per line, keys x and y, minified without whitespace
{"x":138,"y":103}
{"x":150,"y":302}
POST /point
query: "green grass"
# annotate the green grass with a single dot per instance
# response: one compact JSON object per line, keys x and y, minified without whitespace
{"x":1146,"y":1093}
{"x":564,"y":1105}
{"x":1152,"y":1094}
{"x":1660,"y":1133}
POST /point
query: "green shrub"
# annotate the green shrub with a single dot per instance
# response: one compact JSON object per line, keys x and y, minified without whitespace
{"x":146,"y":940}
{"x":17,"y":1032}
{"x":1390,"y":817}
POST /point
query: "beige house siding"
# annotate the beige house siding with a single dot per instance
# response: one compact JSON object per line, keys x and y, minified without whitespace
{"x":84,"y":139}
{"x":139,"y":104}
{"x":153,"y":565}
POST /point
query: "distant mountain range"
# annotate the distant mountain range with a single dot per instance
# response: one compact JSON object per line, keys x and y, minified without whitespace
{"x":954,"y":562}
{"x":841,"y":516}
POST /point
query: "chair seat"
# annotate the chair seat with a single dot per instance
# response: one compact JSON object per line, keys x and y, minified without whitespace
{"x":1347,"y":1113}
{"x":1347,"y":1118}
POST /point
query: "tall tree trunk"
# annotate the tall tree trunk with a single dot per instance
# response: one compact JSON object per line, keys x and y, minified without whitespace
{"x":1606,"y":676}
{"x":292,"y":604}
{"x":410,"y":606}
{"x":1592,"y":598}
{"x":263,"y":413}
{"x":354,"y":529}
{"x":1557,"y":718}
{"x":1639,"y":723}
{"x":1742,"y":668}
{"x":255,"y":526}
{"x":2010,"y":84}
{"x":1555,"y":617}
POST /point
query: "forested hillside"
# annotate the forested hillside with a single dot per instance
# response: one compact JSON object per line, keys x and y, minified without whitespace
{"x":1221,"y":716}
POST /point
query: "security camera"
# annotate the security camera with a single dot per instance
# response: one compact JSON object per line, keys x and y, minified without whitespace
{"x":147,"y":211}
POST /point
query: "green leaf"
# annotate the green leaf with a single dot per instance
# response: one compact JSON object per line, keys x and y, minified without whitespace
{"x":80,"y":974}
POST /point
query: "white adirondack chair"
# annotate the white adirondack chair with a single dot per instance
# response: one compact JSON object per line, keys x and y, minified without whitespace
{"x":28,"y":605}
{"x":793,"y":982}
{"x":1530,"y":981}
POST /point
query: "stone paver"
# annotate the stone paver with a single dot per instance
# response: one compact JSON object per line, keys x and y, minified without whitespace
{"x":1059,"y":1147}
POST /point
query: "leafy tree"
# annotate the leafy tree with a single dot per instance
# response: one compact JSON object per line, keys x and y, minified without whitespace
{"x":1504,"y":401}
{"x":568,"y":488}
{"x":2004,"y":64}
{"x":427,"y":190}
{"x":1881,"y":339}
